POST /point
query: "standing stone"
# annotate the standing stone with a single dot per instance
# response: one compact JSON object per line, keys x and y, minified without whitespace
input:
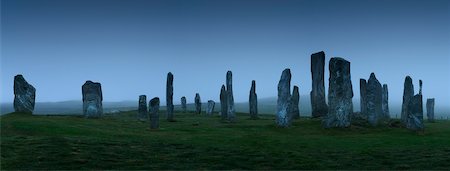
{"x":374,"y":100}
{"x":223,"y":102}
{"x":253,"y":101}
{"x":198,"y":104}
{"x":283,"y":118}
{"x":169,"y":97}
{"x":24,"y":95}
{"x":230,"y":100}
{"x":340,"y":94}
{"x":363,"y":92}
{"x":430,"y":109}
{"x":183,"y":104}
{"x":385,"y":102}
{"x":154,"y":115}
{"x":408,"y":93}
{"x":420,"y":87}
{"x":142,"y":109}
{"x":295,"y":111}
{"x":415,"y":114}
{"x":92,"y":99}
{"x":210,"y":107}
{"x":318,"y":105}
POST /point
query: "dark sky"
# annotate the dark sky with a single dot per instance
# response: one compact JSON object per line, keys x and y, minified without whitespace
{"x":130,"y":45}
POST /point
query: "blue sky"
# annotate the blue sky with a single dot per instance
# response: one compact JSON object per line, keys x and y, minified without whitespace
{"x":130,"y":46}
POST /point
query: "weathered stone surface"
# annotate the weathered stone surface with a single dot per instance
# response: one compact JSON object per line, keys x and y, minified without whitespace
{"x":363,"y":95}
{"x":253,"y":101}
{"x":24,"y":95}
{"x":169,"y":97}
{"x":295,"y":99}
{"x":374,"y":98}
{"x":92,"y":99}
{"x":385,"y":103}
{"x":283,"y":118}
{"x":430,"y":110}
{"x":408,"y":93}
{"x":415,"y":114}
{"x":420,"y":87}
{"x":340,"y":94}
{"x":183,"y":104}
{"x":198,"y":104}
{"x":210,"y":107}
{"x":231,"y":115}
{"x":318,"y":105}
{"x":154,"y":115}
{"x":142,"y":108}
{"x":223,"y":102}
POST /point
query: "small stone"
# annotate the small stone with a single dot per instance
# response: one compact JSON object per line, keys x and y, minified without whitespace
{"x":198,"y":104}
{"x":363,"y":92}
{"x":154,"y":113}
{"x":183,"y":104}
{"x":415,"y":114}
{"x":295,"y":111}
{"x":210,"y":107}
{"x":142,"y":108}
{"x":92,"y":99}
{"x":223,"y":102}
{"x":253,"y":101}
{"x":430,"y":109}
{"x":24,"y":95}
{"x":385,"y":103}
{"x":283,"y":118}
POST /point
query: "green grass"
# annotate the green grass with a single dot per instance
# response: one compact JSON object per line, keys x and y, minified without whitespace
{"x":200,"y":142}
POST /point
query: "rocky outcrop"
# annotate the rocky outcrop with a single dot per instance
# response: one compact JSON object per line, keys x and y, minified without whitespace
{"x":169,"y":97}
{"x":210,"y":108}
{"x":142,"y":108}
{"x":231,"y":115}
{"x":24,"y":95}
{"x":223,"y":103}
{"x":408,"y":94}
{"x":154,"y":115}
{"x":317,"y":95}
{"x":198,"y":104}
{"x":374,"y":100}
{"x":253,"y":101}
{"x":385,"y":102}
{"x":92,"y":99}
{"x":430,"y":110}
{"x":183,"y":104}
{"x":340,"y":94}
{"x":295,"y":99}
{"x":283,"y":117}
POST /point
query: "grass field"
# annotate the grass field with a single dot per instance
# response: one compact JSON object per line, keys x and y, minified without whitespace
{"x":200,"y":142}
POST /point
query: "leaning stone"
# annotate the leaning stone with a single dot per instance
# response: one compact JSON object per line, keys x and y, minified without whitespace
{"x":142,"y":108}
{"x":295,"y":111}
{"x":223,"y":102}
{"x":169,"y":97}
{"x":385,"y":102}
{"x":374,"y":100}
{"x":408,"y":94}
{"x":154,"y":115}
{"x":415,"y":114}
{"x":430,"y":109}
{"x":92,"y":99}
{"x":230,"y":99}
{"x":253,"y":101}
{"x":283,"y":118}
{"x":318,"y":104}
{"x":198,"y":104}
{"x":210,"y":108}
{"x":24,"y":95}
{"x":340,"y":94}
{"x":183,"y":104}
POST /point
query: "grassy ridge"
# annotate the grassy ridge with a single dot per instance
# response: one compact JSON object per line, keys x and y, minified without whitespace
{"x":200,"y":142}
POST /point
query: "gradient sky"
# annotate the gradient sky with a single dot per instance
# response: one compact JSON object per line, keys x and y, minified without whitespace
{"x":129,"y":46}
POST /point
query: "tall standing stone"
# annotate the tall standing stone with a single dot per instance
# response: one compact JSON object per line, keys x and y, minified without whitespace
{"x":230,"y":99}
{"x":295,"y":111}
{"x":142,"y":108}
{"x":210,"y":107}
{"x":253,"y":101}
{"x":283,"y":118}
{"x":420,"y":87}
{"x":154,"y":115}
{"x":223,"y":102}
{"x":318,"y":105}
{"x":374,"y":101}
{"x":92,"y":99}
{"x":430,"y":110}
{"x":183,"y":104}
{"x":24,"y":95}
{"x":385,"y":102}
{"x":340,"y":94}
{"x":415,"y":114}
{"x":169,"y":97}
{"x":363,"y":92}
{"x":198,"y":104}
{"x":408,"y":94}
